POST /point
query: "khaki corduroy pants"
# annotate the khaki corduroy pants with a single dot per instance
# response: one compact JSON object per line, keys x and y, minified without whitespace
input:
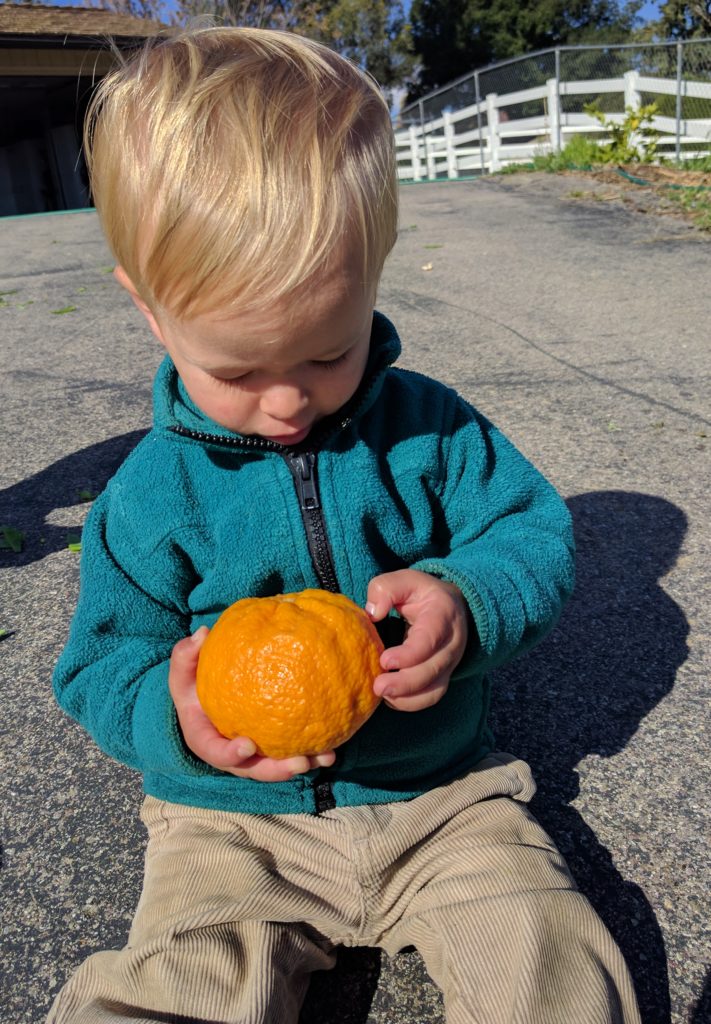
{"x":237,"y":910}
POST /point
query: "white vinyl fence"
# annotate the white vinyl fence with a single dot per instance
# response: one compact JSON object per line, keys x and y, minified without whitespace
{"x":468,"y":129}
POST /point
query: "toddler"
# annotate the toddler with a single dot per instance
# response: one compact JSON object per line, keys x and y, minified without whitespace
{"x":246,"y":182}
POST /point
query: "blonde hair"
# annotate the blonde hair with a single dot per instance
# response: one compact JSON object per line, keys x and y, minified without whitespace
{"x":228,"y":165}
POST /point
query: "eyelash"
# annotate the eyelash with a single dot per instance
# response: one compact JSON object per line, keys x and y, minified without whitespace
{"x":331,"y":364}
{"x":325,"y":364}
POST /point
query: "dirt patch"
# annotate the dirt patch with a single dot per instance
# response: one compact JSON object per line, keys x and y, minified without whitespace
{"x":684,"y":196}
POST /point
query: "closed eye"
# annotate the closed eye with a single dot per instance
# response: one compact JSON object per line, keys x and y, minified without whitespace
{"x":237,"y":379}
{"x":331,"y":364}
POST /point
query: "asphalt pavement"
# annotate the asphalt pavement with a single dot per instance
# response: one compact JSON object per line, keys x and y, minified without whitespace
{"x":581,"y":328}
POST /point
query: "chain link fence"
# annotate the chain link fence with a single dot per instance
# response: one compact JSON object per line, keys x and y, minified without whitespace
{"x":534,"y":104}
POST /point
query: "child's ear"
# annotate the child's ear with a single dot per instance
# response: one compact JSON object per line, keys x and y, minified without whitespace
{"x":125,"y":281}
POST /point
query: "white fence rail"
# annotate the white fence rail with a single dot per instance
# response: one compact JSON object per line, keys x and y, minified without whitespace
{"x":512,"y":127}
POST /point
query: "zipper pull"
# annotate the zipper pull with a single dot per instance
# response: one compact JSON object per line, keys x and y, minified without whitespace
{"x":302,"y":467}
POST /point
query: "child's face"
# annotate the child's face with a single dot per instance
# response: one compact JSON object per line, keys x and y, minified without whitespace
{"x":274,"y":372}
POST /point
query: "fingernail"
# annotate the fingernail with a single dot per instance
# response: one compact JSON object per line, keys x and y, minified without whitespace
{"x":370,"y":608}
{"x":199,"y":633}
{"x":246,"y":749}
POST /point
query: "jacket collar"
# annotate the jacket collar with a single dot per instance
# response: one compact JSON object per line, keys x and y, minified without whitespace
{"x":175,"y":411}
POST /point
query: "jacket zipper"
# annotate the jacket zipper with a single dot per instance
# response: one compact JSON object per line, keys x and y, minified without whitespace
{"x":302,"y":466}
{"x":303,"y":470}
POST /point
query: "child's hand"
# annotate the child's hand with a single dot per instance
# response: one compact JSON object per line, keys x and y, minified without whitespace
{"x":236,"y":756}
{"x":417,"y":672}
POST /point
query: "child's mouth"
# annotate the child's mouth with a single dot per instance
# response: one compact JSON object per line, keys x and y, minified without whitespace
{"x":294,"y":437}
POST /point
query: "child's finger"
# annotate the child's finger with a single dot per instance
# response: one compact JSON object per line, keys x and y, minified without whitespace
{"x":323,"y":760}
{"x":183,"y":662}
{"x":268,"y":769}
{"x":390,"y":590}
{"x":415,"y":678}
{"x":421,"y":643}
{"x":415,"y":689}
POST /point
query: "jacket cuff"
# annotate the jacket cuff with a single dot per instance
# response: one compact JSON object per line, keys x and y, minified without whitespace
{"x":156,"y":733}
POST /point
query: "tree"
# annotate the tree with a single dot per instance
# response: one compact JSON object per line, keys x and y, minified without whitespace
{"x":684,"y":19}
{"x":287,"y":15}
{"x":154,"y":10}
{"x":373,"y":33}
{"x":452,"y":37}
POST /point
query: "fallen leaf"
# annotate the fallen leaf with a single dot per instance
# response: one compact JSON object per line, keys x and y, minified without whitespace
{"x":64,"y":309}
{"x":11,"y":538}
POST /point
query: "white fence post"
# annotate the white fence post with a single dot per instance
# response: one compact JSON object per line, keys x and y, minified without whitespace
{"x":429,"y":158}
{"x":492,"y":122}
{"x":414,"y":134}
{"x":633,"y":97}
{"x":553,"y":115}
{"x":450,"y":143}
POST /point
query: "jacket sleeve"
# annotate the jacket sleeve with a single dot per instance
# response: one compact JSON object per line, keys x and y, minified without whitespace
{"x":510,"y":540}
{"x":112,"y":676}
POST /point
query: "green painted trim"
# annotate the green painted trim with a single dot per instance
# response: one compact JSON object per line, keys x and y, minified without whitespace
{"x":661,"y":184}
{"x":441,"y":181}
{"x":47,"y":213}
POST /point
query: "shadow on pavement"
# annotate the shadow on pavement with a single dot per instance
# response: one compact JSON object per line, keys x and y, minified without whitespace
{"x":584,"y":692}
{"x":27,"y":505}
{"x":346,"y":993}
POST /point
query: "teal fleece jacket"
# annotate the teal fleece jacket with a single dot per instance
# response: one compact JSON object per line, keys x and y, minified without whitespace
{"x":407,"y":474}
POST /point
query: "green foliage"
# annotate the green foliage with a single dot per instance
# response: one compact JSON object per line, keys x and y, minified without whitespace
{"x":698,"y":163}
{"x":632,"y":140}
{"x":684,"y":19}
{"x":696,"y":203}
{"x":453,"y":37}
{"x":579,"y":153}
{"x":375,"y":34}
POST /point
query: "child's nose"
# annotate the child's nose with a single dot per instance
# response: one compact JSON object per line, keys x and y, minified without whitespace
{"x":283,"y":401}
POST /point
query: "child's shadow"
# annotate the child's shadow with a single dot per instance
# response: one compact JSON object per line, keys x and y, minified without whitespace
{"x":72,"y":480}
{"x":586,"y":690}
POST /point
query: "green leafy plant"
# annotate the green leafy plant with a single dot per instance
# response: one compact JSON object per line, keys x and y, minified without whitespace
{"x":696,"y":204}
{"x":11,"y":538}
{"x":698,"y":163}
{"x":632,"y":140}
{"x":580,"y":153}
